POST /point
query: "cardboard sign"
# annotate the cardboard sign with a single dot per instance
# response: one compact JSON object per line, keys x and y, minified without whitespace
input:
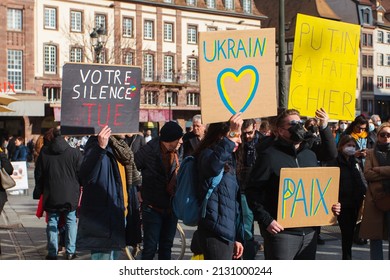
{"x":324,"y":68}
{"x":96,"y":95}
{"x":306,"y":196}
{"x":237,"y":74}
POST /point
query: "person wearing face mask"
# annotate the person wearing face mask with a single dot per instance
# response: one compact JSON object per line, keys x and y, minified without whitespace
{"x":351,"y":191}
{"x":341,"y":130}
{"x":373,"y":124}
{"x":375,"y":224}
{"x":289,"y":150}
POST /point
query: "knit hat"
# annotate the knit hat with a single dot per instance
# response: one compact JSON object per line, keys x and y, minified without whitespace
{"x":170,"y":132}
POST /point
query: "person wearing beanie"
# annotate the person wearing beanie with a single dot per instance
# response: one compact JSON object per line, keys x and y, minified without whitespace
{"x":159,"y":162}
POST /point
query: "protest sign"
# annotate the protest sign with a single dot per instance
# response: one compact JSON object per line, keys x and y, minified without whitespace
{"x":19,"y":175}
{"x":306,"y":196}
{"x":324,"y":68}
{"x":237,"y":74}
{"x":96,"y":95}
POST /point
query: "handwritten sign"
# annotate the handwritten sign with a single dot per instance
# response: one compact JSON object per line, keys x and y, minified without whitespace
{"x":237,"y":74}
{"x":324,"y":68}
{"x":306,"y":196}
{"x":19,"y":175}
{"x":96,"y":95}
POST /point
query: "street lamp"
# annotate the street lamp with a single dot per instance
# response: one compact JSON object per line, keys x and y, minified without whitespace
{"x":97,"y":42}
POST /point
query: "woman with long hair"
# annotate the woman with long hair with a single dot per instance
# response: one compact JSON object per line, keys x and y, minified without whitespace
{"x":217,"y":229}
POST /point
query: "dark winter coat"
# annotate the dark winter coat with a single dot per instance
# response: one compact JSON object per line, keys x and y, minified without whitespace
{"x":56,"y":176}
{"x":352,"y":183}
{"x":6,"y":164}
{"x":222,"y":209}
{"x":102,"y":213}
{"x":263,"y":183}
{"x":154,"y":176}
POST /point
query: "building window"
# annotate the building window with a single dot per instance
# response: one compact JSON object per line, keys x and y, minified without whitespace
{"x":364,"y":61}
{"x":388,"y":59}
{"x":127,"y":27}
{"x":247,"y":6}
{"x":128,"y":58}
{"x":52,"y":94}
{"x":192,"y":73}
{"x":50,"y":59}
{"x":15,"y":68}
{"x":171,"y":98}
{"x":148,"y":67}
{"x":76,"y":21}
{"x":210,"y":4}
{"x":100,"y":21}
{"x":50,"y":18}
{"x":76,"y":54}
{"x":168,"y":1}
{"x":191,"y":2}
{"x":14,"y":19}
{"x":380,"y":37}
{"x":168,"y":68}
{"x":380,"y":59}
{"x":387,"y":82}
{"x":367,"y":40}
{"x":388,"y":37}
{"x":148,"y":30}
{"x":368,"y":84}
{"x":370,"y":61}
{"x":379,"y":82}
{"x":168,"y":32}
{"x":229,"y":4}
{"x":193,"y":99}
{"x":212,"y":28}
{"x":151,"y":97}
{"x":192,"y":34}
{"x":366,"y":16}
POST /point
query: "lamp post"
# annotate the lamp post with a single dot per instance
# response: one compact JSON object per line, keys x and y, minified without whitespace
{"x":282,"y":63}
{"x":97,"y":42}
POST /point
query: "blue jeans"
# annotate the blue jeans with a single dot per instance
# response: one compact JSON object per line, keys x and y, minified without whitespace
{"x":159,"y":231}
{"x":52,"y":232}
{"x":105,"y":255}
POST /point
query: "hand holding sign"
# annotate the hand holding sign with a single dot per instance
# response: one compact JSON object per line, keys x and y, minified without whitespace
{"x":274,"y":227}
{"x":336,"y":209}
{"x":104,"y":136}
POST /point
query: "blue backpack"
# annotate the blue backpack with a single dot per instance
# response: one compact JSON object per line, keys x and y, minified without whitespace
{"x":186,"y":204}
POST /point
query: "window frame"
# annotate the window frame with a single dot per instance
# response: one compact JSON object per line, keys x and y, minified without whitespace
{"x":49,"y":65}
{"x":247,"y":6}
{"x":17,"y":69}
{"x":71,"y":53}
{"x":125,"y":28}
{"x":151,"y":97}
{"x":380,"y":37}
{"x":192,"y":70}
{"x":231,"y":4}
{"x":193,"y":99}
{"x":71,"y":27}
{"x":125,"y":55}
{"x":192,"y":27}
{"x":15,"y":23}
{"x":148,"y":73}
{"x":171,"y":40}
{"x":49,"y":27}
{"x":146,"y":34}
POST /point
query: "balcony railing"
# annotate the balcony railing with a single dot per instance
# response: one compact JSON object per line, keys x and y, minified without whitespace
{"x":176,"y":78}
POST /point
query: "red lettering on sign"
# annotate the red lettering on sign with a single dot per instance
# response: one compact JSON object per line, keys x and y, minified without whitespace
{"x":89,"y":105}
{"x":107,"y":116}
{"x":117,"y":114}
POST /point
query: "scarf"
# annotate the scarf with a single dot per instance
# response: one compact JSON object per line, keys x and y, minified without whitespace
{"x":362,"y":134}
{"x":382,"y":153}
{"x":125,"y":156}
{"x":171,"y":165}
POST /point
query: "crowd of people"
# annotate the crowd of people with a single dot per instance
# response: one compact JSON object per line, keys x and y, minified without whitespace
{"x":120,"y":187}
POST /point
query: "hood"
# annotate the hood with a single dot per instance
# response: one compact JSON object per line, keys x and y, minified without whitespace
{"x":58,"y":145}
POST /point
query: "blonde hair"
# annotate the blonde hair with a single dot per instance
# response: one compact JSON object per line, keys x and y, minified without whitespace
{"x":382,"y":126}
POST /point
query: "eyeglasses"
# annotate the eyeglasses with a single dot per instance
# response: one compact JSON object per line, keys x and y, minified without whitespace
{"x":384,"y":134}
{"x":295,"y":122}
{"x":361,"y":128}
{"x":248,"y":132}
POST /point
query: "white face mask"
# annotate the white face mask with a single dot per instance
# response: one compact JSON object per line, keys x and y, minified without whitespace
{"x":343,"y":126}
{"x":371,"y":127}
{"x":378,"y":123}
{"x":349,"y":151}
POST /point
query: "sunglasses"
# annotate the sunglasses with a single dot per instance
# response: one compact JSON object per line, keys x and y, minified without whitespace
{"x":384,"y":134}
{"x":294,"y":122}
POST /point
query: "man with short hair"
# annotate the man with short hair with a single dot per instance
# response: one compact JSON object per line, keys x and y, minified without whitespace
{"x":158,"y":162}
{"x":289,"y":150}
{"x":192,"y":139}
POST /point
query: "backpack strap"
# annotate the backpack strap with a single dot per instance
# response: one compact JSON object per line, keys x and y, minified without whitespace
{"x":214,"y":183}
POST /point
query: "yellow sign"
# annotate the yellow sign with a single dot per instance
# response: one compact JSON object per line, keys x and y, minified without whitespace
{"x":324,"y":68}
{"x":237,"y":74}
{"x":306,"y":196}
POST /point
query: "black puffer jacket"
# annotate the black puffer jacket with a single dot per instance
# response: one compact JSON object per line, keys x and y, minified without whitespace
{"x":56,"y":176}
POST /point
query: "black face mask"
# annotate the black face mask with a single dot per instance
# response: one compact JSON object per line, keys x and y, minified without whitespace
{"x":313,"y":129}
{"x":297,"y":132}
